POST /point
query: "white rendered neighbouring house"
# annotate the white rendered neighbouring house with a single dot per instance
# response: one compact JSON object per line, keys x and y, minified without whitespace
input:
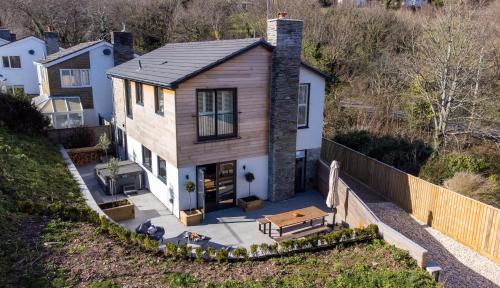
{"x":209,"y":112}
{"x":74,"y":88}
{"x":18,"y":74}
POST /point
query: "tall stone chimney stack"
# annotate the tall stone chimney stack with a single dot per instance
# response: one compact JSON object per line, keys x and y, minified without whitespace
{"x":286,"y":37}
{"x":123,"y":46}
{"x":51,"y":41}
{"x":5,"y":34}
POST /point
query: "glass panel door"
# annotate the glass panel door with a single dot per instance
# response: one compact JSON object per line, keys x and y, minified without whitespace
{"x":226,"y":194}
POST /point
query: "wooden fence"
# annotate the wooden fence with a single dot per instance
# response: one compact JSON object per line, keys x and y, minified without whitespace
{"x":466,"y":220}
{"x":79,"y":136}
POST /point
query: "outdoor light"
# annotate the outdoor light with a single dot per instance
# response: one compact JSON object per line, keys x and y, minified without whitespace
{"x":244,"y":167}
{"x":187,"y":177}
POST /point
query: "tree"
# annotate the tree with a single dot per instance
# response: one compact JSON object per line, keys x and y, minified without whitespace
{"x":189,"y":186}
{"x":104,"y":144}
{"x":113,"y":173}
{"x":249,"y":177}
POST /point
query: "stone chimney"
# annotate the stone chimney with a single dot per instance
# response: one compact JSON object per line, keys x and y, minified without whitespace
{"x":13,"y":37}
{"x":286,"y":37}
{"x":5,"y":34}
{"x":51,"y":41}
{"x":123,"y":47}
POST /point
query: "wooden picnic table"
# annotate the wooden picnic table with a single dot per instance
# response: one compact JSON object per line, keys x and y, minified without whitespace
{"x":289,"y":218}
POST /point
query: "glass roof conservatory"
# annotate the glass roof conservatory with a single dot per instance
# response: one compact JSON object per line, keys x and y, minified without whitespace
{"x":63,"y":112}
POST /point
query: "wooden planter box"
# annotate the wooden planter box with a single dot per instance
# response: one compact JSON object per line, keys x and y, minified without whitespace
{"x":190,"y":218}
{"x":124,"y":211}
{"x":250,"y":203}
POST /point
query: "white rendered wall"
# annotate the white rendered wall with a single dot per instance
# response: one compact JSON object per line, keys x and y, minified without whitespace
{"x":27,"y":74}
{"x":163,"y":191}
{"x":308,"y":138}
{"x":101,"y":85}
{"x":258,"y":166}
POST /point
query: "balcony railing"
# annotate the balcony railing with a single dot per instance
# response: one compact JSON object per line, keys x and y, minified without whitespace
{"x":208,"y":127}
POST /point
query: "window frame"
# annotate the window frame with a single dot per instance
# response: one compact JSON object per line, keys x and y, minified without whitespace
{"x":139,"y":90}
{"x":127,"y":86}
{"x":72,"y":71}
{"x":9,"y":60}
{"x":157,"y":90}
{"x":306,"y":125}
{"x":235,"y":113}
{"x":119,"y":136}
{"x":162,"y":178}
{"x":11,"y":89}
{"x":149,"y":167}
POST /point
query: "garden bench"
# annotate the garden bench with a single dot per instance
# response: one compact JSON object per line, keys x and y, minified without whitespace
{"x":263,"y":221}
{"x":302,"y":233}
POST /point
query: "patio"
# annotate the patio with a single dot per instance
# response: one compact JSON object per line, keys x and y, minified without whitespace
{"x":228,"y":227}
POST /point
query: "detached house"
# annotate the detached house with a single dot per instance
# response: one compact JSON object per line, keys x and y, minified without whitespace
{"x":209,"y":112}
{"x":18,"y":74}
{"x":74,"y":88}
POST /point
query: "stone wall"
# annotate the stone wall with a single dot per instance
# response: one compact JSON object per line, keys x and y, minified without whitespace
{"x":286,"y":37}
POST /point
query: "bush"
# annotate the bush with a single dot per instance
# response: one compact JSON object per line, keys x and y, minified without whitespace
{"x":475,"y":186}
{"x":240,"y":252}
{"x":442,"y":167}
{"x":254,"y":250}
{"x":198,"y":252}
{"x":398,"y":152}
{"x":170,"y":250}
{"x":221,"y":255}
{"x":20,"y":116}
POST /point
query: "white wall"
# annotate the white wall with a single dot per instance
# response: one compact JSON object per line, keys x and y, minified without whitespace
{"x":27,"y":74}
{"x":101,"y":85}
{"x":308,"y":138}
{"x":163,"y":191}
{"x":258,"y":166}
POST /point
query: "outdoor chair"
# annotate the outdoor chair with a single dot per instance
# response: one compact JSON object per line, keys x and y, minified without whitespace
{"x":144,"y":228}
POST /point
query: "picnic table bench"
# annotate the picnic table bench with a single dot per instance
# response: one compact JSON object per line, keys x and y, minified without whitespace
{"x":303,"y":233}
{"x":295,"y":217}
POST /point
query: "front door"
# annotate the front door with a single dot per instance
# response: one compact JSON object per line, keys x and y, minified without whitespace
{"x":219,"y":185}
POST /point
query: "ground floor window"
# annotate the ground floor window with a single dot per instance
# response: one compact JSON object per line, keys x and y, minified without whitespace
{"x":146,"y":157}
{"x":12,"y":89}
{"x":162,"y":169}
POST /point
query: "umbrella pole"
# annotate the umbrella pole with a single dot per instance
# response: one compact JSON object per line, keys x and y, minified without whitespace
{"x":334,"y":210}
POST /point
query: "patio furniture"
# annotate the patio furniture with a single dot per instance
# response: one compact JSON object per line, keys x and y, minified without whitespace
{"x":129,"y":174}
{"x":303,"y":233}
{"x":263,"y":222}
{"x":156,"y":233}
{"x":295,"y":217}
{"x":188,"y":238}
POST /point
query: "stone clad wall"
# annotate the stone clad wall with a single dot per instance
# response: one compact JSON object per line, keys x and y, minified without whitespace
{"x":286,"y":36}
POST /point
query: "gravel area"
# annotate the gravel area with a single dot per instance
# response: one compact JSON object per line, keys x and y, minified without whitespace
{"x":462,"y":267}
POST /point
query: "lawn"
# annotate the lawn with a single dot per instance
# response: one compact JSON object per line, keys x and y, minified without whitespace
{"x":43,"y":251}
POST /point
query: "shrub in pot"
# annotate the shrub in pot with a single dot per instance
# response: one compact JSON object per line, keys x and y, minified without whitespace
{"x":190,"y":217}
{"x":251,"y":202}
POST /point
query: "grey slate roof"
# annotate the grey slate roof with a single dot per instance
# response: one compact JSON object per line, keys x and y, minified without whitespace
{"x":69,"y":51}
{"x":177,"y":62}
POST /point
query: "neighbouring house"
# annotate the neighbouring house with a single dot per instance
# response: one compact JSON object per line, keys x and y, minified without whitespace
{"x":18,"y":74}
{"x":74,"y":88}
{"x":209,"y":112}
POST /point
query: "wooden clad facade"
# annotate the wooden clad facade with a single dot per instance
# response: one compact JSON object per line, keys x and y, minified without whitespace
{"x":464,"y":219}
{"x":54,"y":77}
{"x":156,"y":132}
{"x":249,"y":73}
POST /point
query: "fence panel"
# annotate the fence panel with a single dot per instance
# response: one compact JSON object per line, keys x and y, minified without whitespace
{"x":472,"y":223}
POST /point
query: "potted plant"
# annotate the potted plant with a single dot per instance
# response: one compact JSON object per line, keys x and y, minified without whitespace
{"x":117,"y":210}
{"x":190,"y":217}
{"x":251,"y":202}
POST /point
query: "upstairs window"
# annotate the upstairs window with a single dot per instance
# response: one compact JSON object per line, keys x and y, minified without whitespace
{"x":128,"y":98}
{"x":139,"y":96}
{"x":146,"y":158}
{"x":216,"y":113}
{"x":75,"y":78}
{"x":162,"y":169}
{"x":11,"y":61}
{"x":159,"y":100}
{"x":303,"y":106}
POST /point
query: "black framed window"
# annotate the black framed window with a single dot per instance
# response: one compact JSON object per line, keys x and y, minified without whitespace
{"x":303,"y":105}
{"x":128,"y":98}
{"x":119,"y":137}
{"x":216,"y":113}
{"x":162,"y":169}
{"x":146,"y":157}
{"x":139,"y":96}
{"x":11,"y":61}
{"x":159,"y":100}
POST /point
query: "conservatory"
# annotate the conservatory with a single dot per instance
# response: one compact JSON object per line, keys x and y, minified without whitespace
{"x":63,"y":112}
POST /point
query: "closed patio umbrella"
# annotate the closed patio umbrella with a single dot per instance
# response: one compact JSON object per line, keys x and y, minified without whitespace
{"x":332,"y":200}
